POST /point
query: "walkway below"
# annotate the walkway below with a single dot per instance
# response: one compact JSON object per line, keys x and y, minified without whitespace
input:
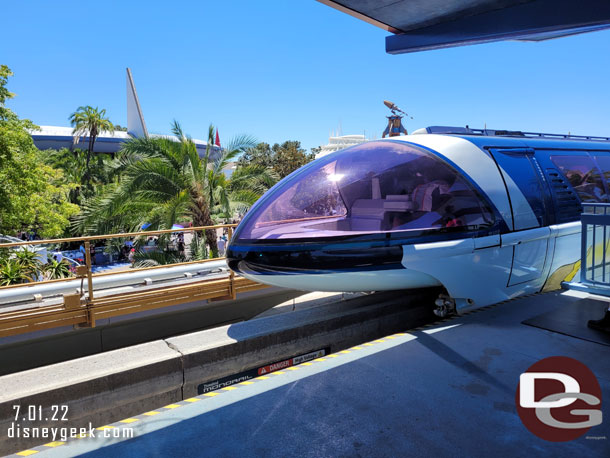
{"x":443,"y":390}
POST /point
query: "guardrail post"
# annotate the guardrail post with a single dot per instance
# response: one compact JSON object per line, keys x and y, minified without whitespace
{"x":231,"y":273}
{"x":90,"y":316}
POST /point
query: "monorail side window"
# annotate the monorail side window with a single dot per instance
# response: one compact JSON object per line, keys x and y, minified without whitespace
{"x":603,"y":162}
{"x":583,"y":175}
{"x":369,"y":188}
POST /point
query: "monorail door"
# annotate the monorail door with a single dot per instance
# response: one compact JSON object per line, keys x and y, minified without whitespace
{"x":529,"y":239}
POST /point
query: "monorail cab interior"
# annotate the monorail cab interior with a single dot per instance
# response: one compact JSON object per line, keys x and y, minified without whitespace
{"x":376,"y":187}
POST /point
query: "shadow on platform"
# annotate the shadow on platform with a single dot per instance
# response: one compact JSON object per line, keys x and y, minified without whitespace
{"x":571,"y":320}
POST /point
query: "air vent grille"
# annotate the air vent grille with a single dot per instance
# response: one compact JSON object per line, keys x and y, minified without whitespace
{"x":566,"y":200}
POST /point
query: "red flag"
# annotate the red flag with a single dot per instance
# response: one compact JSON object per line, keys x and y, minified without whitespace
{"x":217,"y":143}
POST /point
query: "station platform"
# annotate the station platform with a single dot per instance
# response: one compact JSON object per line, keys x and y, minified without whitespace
{"x":446,"y":389}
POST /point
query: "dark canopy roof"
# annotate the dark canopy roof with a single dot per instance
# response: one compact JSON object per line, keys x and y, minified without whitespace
{"x":431,"y":24}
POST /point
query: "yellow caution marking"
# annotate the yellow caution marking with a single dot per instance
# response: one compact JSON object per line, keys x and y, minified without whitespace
{"x":319,"y":359}
{"x":356,"y":348}
{"x":193,"y":399}
{"x":332,"y":356}
{"x":102,"y":428}
{"x":391,"y":337}
{"x":278,"y":373}
{"x":368,"y":344}
{"x":345,"y":352}
{"x":379,"y":341}
{"x":262,"y":377}
{"x":293,"y":369}
{"x":400,"y":334}
{"x":229,"y":388}
{"x":245,"y":383}
{"x":27,"y":452}
{"x":151,"y":413}
{"x":172,"y":406}
{"x":305,"y":364}
{"x":211,"y":394}
{"x":54,"y":444}
{"x":128,"y":420}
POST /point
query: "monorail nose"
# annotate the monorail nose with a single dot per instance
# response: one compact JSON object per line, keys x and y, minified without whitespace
{"x":352,"y":211}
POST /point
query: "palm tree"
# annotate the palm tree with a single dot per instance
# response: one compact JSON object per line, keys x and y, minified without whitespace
{"x":91,"y":122}
{"x":163,"y":181}
{"x":248,"y":183}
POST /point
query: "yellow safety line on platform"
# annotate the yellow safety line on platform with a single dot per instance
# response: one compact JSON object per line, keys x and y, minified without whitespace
{"x":54,"y":444}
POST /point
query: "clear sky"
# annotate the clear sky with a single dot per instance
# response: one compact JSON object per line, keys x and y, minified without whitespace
{"x":287,"y":69}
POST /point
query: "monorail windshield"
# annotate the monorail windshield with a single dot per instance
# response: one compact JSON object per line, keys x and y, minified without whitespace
{"x":369,"y":188}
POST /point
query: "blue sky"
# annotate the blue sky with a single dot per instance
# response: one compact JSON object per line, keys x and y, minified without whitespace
{"x":280,"y":70}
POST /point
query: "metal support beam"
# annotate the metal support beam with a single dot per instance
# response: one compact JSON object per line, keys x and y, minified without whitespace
{"x":532,"y":21}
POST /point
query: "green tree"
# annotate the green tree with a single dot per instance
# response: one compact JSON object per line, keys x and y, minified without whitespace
{"x":164,"y":181}
{"x":289,"y":156}
{"x":33,"y":195}
{"x":283,"y":158}
{"x":260,"y":155}
{"x":89,"y":121}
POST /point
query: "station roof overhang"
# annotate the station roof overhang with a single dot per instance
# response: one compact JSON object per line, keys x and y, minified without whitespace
{"x":421,"y":25}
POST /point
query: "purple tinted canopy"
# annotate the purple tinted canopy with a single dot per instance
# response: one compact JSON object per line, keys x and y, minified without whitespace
{"x":369,"y":188}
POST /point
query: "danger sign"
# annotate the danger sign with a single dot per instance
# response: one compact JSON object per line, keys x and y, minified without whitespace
{"x":290,"y":362}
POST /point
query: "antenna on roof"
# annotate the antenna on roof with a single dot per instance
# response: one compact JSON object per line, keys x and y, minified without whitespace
{"x":395,"y":109}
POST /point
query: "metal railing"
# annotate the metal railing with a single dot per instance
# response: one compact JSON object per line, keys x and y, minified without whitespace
{"x":594,"y":262}
{"x":83,"y":310}
{"x":125,"y":235}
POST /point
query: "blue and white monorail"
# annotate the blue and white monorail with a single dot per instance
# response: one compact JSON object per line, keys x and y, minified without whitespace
{"x":487,"y":215}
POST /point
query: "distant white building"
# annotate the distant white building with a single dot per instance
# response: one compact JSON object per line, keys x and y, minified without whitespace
{"x":57,"y":137}
{"x":340,"y":142}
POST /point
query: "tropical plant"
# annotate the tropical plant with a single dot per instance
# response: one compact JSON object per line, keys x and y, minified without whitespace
{"x":12,"y":272}
{"x":30,"y":263}
{"x":164,"y":181}
{"x":74,"y":167}
{"x":89,"y":121}
{"x":54,"y":269}
{"x":248,"y":183}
